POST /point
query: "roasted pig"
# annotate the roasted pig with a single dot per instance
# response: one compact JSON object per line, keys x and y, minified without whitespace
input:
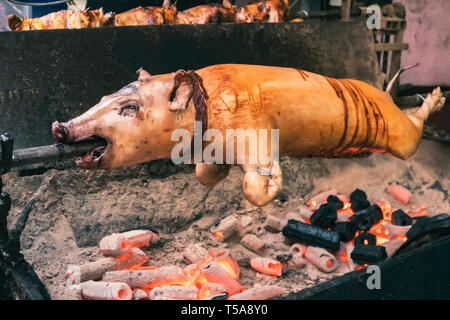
{"x":207,"y":14}
{"x":142,"y":16}
{"x":265,"y":11}
{"x":64,"y":19}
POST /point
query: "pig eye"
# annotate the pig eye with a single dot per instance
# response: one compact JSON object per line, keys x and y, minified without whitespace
{"x":128,"y":111}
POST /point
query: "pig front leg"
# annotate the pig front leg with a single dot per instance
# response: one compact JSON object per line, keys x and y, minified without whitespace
{"x":211,"y":174}
{"x":262,"y":185}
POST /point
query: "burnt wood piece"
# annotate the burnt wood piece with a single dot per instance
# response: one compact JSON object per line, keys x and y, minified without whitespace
{"x":346,"y":231}
{"x":400,"y":218}
{"x":368,"y":237}
{"x":333,"y":200}
{"x":365,"y":219}
{"x":311,"y":235}
{"x":325,"y":216}
{"x":358,"y":200}
{"x":368,"y":254}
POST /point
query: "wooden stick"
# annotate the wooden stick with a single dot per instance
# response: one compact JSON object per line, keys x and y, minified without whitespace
{"x":253,"y":243}
{"x":226,"y":228}
{"x":401,"y":194}
{"x":195,"y":253}
{"x":393,"y":231}
{"x":117,"y":244}
{"x":89,"y":271}
{"x":174,"y":293}
{"x":93,"y":290}
{"x":267,"y":266}
{"x":259,"y":293}
{"x":345,"y":10}
{"x":95,"y":270}
{"x":216,"y":274}
{"x":274,"y":224}
{"x":321,"y":258}
{"x":148,"y":279}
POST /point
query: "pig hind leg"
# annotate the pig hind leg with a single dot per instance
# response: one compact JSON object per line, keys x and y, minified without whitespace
{"x":433,"y":103}
{"x":211,"y":174}
{"x":260,"y":189}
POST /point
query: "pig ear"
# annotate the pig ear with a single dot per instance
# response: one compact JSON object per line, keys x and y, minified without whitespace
{"x":180,"y":90}
{"x":143,"y":75}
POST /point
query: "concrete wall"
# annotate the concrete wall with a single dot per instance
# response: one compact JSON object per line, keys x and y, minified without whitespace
{"x":428,"y":35}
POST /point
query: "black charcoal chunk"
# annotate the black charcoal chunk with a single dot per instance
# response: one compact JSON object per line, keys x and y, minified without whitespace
{"x":358,"y":195}
{"x":368,"y":254}
{"x":358,"y":200}
{"x":365,"y":238}
{"x":333,"y":200}
{"x":346,"y":231}
{"x":360,"y":205}
{"x":325,"y":216}
{"x":400,"y":218}
{"x":365,"y":219}
{"x":311,"y":235}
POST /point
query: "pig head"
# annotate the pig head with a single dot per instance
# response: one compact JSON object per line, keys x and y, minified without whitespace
{"x":135,"y":122}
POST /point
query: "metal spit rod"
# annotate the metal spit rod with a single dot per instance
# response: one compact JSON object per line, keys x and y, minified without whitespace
{"x":37,"y":157}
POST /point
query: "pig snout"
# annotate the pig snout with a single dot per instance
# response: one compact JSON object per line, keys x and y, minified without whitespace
{"x":60,"y":132}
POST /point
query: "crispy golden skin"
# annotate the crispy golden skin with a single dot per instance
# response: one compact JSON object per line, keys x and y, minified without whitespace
{"x":142,"y":16}
{"x":206,"y":14}
{"x":64,"y":19}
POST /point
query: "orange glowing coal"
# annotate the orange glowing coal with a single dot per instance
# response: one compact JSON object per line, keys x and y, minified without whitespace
{"x":218,"y":234}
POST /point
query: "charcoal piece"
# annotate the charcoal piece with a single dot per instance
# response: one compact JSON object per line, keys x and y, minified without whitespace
{"x":311,"y":235}
{"x":346,"y":231}
{"x":221,"y":296}
{"x":368,"y":254}
{"x":358,"y":195}
{"x":360,"y":205}
{"x":400,"y":218}
{"x":335,"y":201}
{"x":358,"y":200}
{"x":365,"y":238}
{"x":325,"y":216}
{"x":365,"y":219}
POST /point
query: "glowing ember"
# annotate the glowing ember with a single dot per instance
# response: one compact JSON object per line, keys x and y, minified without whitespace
{"x":218,"y":234}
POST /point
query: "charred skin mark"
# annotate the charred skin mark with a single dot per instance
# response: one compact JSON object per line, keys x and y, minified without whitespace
{"x":355,"y":99}
{"x":199,"y":97}
{"x":385,"y":127}
{"x":303,"y":74}
{"x":367,"y":116}
{"x":377,"y":124}
{"x":340,"y":93}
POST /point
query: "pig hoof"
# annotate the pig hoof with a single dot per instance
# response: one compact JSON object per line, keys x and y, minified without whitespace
{"x":59,"y":132}
{"x":261,"y":186}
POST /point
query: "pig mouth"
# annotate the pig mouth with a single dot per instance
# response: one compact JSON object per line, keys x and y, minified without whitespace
{"x":93,"y":158}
